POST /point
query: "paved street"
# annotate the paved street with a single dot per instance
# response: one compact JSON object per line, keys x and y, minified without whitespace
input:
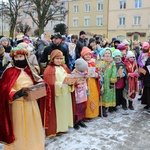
{"x":119,"y":131}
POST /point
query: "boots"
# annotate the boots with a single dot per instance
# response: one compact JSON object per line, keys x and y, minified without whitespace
{"x":124,"y":104}
{"x":82,"y":124}
{"x":104,"y":111}
{"x":130,"y":105}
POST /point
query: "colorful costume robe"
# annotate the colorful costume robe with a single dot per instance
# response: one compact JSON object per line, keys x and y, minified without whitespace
{"x":132,"y":80}
{"x":62,"y":105}
{"x":93,"y":98}
{"x":109,"y":73}
{"x":20,"y":122}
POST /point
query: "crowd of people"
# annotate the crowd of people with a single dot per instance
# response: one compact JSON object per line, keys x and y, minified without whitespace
{"x":102,"y":77}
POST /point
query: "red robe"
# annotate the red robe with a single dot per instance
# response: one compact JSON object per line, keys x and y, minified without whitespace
{"x":49,"y":77}
{"x":132,"y":78}
{"x":6,"y":83}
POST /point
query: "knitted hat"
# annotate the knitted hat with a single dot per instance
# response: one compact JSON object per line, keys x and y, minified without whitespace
{"x":113,"y":39}
{"x":116,"y":41}
{"x":26,"y":46}
{"x":130,"y":54}
{"x":125,"y":42}
{"x":102,"y":52}
{"x":18,"y":50}
{"x":26,"y":38}
{"x":81,"y":64}
{"x":91,"y":40}
{"x":121,"y":47}
{"x":117,"y":53}
{"x":2,"y":50}
{"x":55,"y":54}
{"x":81,"y":32}
{"x":4,"y":39}
{"x":85,"y":50}
{"x":145,"y":45}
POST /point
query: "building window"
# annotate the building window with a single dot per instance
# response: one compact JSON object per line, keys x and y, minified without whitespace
{"x":135,"y":37}
{"x":137,"y":3}
{"x":26,"y":15}
{"x":137,"y":20}
{"x":34,"y":14}
{"x":122,"y":21}
{"x":4,"y":26}
{"x":120,"y":37}
{"x":99,"y":21}
{"x":86,"y":21}
{"x":122,"y":4}
{"x":75,"y":8}
{"x":75,"y":22}
{"x":52,"y":24}
{"x":32,"y":24}
{"x":87,"y":7}
{"x":100,"y":6}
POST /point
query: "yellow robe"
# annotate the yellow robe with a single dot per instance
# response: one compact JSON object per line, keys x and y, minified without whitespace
{"x":63,"y":101}
{"x":26,"y":119}
{"x":93,"y":100}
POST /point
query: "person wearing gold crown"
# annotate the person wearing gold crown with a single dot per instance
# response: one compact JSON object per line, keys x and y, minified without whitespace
{"x":20,"y":121}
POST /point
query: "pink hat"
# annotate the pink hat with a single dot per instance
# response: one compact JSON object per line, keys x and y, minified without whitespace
{"x":121,"y":47}
{"x":85,"y":50}
{"x":145,"y":45}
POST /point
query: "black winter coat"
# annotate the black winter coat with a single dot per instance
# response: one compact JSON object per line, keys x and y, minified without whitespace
{"x":50,"y":48}
{"x":146,"y":77}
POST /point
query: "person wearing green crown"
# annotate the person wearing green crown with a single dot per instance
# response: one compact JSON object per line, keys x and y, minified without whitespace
{"x":20,"y":122}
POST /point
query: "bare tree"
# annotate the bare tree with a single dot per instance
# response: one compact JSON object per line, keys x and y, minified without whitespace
{"x":24,"y":28}
{"x":11,"y":10}
{"x":46,"y":10}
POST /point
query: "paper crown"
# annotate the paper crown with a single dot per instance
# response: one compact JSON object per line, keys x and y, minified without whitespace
{"x":18,"y":50}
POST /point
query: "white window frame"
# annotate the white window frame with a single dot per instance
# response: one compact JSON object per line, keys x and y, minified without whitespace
{"x":26,"y":15}
{"x":75,"y":22}
{"x":122,"y":21}
{"x":33,"y":24}
{"x":99,"y":21}
{"x":137,"y":20}
{"x":75,"y":8}
{"x":121,"y":37}
{"x":87,"y":7}
{"x":137,"y":3}
{"x":4,"y":26}
{"x":86,"y":21}
{"x":52,"y":24}
{"x":100,"y":6}
{"x":123,"y":3}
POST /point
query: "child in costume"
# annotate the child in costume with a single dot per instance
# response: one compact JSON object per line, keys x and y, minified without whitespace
{"x":132,"y":78}
{"x":93,"y":99}
{"x":61,"y":116}
{"x":80,"y":91}
{"x":120,"y":84}
{"x":22,"y":128}
{"x":108,"y":72}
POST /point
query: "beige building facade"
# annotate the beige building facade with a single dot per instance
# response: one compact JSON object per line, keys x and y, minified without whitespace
{"x":129,"y":19}
{"x":88,"y":15}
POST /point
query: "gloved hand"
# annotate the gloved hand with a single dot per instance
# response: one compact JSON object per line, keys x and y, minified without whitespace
{"x":112,"y":85}
{"x":19,"y":94}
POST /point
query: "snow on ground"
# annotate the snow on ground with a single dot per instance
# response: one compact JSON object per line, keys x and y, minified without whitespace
{"x":119,"y":131}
